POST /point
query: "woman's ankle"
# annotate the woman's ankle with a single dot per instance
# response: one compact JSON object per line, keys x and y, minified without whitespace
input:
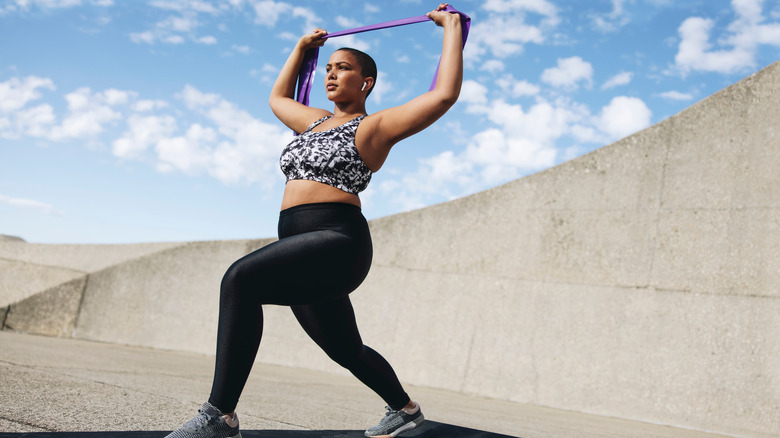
{"x":411,"y":408}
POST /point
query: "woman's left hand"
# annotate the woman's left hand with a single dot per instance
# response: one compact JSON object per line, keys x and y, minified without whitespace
{"x":442,"y":17}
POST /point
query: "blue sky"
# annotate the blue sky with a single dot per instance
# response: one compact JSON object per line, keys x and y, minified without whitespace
{"x":147,"y":120}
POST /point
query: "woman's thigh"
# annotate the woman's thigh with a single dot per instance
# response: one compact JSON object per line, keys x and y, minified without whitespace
{"x":300,"y":269}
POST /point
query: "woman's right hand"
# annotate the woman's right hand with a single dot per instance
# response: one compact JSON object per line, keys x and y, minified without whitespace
{"x":441,"y":17}
{"x":312,"y":40}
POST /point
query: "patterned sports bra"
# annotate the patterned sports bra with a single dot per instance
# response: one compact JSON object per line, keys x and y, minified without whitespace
{"x":329,"y":157}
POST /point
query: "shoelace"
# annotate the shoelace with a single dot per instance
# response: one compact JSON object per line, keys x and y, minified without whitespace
{"x":390,"y":412}
{"x":201,"y":420}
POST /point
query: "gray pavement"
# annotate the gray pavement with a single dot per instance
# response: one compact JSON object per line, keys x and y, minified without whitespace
{"x":54,"y":385}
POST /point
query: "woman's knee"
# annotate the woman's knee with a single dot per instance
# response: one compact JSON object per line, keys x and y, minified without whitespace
{"x":237,"y":281}
{"x":232,"y":274}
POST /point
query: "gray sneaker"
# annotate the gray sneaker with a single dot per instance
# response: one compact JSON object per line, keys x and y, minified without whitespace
{"x":396,"y":422}
{"x":209,"y":423}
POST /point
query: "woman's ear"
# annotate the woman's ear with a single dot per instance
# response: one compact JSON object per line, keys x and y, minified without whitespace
{"x":367,"y":84}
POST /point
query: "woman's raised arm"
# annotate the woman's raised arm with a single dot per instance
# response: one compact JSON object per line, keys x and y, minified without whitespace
{"x":292,"y":113}
{"x":380,"y":131}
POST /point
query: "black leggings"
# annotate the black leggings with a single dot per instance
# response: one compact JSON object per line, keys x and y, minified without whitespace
{"x":323,"y":253}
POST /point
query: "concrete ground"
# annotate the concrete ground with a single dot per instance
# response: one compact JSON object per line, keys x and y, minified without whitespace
{"x":60,"y":385}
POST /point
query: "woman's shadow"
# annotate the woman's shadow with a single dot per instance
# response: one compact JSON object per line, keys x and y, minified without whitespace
{"x":430,"y":429}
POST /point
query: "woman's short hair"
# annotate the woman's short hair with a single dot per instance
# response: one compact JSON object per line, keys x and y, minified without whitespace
{"x":366,"y":62}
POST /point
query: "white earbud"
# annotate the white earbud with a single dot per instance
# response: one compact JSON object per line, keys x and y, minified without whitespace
{"x":364,"y":86}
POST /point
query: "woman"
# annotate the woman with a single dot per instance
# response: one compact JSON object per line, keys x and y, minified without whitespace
{"x":324,"y":248}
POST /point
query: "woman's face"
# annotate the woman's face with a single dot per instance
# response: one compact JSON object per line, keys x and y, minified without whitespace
{"x":343,"y":78}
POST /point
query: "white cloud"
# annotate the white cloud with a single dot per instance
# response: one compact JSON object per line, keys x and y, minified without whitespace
{"x":190,"y":153}
{"x":542,"y":124}
{"x":30,"y":204}
{"x":346,"y":23}
{"x":517,"y":88}
{"x":186,"y":5}
{"x":676,"y":95}
{"x":569,"y":73}
{"x":248,"y":148}
{"x":624,"y":116}
{"x":472,"y":92}
{"x":541,"y":7}
{"x":506,"y":29}
{"x":231,"y":145}
{"x":180,"y":28}
{"x":15,"y":93}
{"x":442,"y":175}
{"x":7,"y":9}
{"x":622,"y":78}
{"x":173,"y":39}
{"x":520,"y":141}
{"x":143,"y":132}
{"x":237,"y":3}
{"x":14,"y":96}
{"x":352,"y":41}
{"x":117,"y":97}
{"x":289,"y":36}
{"x":694,"y":54}
{"x":88,"y":112}
{"x":178,"y":24}
{"x":48,"y":4}
{"x":194,"y":99}
{"x":524,"y":88}
{"x":740,"y":43}
{"x":143,"y":37}
{"x":502,"y":36}
{"x":493,"y":66}
{"x":177,"y":29}
{"x":267,"y":73}
{"x":34,"y":122}
{"x":501,"y":156}
{"x":614,"y":20}
{"x":208,"y":40}
{"x":269,"y":12}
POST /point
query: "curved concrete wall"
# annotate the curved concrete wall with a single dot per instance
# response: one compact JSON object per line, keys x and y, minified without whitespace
{"x":640,"y":281}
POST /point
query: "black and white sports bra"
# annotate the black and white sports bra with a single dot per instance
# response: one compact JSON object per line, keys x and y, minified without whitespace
{"x":329,"y":157}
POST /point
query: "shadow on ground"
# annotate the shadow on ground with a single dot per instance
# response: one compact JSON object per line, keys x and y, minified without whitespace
{"x":430,"y":429}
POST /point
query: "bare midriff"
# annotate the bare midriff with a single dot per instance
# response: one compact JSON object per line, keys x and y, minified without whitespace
{"x":299,"y":191}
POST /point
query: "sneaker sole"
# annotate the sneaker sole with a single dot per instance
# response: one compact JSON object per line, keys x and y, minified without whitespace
{"x":407,"y":427}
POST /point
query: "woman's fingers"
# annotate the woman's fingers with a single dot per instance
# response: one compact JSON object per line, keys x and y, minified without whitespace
{"x":438,"y":15}
{"x":314,"y":39}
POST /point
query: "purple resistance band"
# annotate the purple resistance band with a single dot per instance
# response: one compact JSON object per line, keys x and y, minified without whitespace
{"x":306,"y":75}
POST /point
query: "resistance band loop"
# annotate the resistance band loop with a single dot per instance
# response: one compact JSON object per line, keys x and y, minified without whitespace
{"x":306,"y":75}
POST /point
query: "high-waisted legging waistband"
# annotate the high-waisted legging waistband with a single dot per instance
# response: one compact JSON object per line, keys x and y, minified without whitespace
{"x":332,"y":206}
{"x":336,"y":216}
